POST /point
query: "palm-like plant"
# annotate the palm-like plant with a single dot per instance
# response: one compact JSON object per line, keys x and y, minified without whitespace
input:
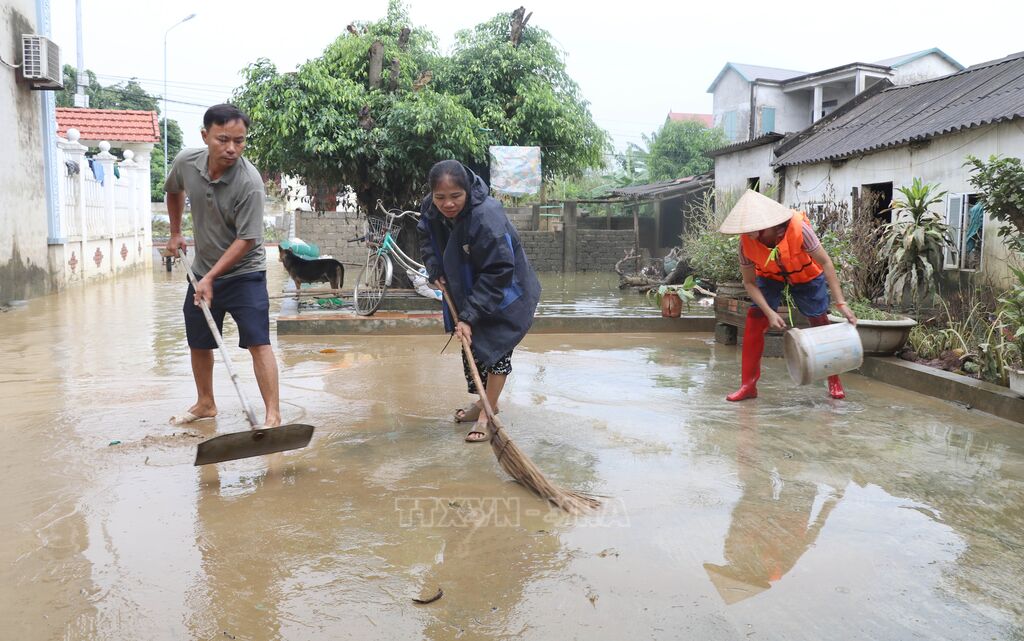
{"x":913,"y":244}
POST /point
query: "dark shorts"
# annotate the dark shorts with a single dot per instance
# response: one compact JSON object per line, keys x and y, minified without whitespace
{"x":503,"y":366}
{"x":245,"y":298}
{"x":811,"y":298}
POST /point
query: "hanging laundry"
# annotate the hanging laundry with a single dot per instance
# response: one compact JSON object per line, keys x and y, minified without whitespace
{"x":72,"y":167}
{"x":97,"y":170}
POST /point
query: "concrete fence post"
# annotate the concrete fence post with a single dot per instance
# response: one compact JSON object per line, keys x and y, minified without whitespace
{"x":569,"y":236}
{"x":535,"y":218}
{"x":106,"y":160}
{"x":74,"y":152}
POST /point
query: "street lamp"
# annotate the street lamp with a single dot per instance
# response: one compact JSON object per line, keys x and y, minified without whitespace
{"x":166,"y":150}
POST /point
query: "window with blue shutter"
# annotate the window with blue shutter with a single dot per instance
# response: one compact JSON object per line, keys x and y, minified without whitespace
{"x":767,"y":119}
{"x":729,"y":124}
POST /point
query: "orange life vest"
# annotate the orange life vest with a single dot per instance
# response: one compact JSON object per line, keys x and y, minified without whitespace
{"x":790,"y":263}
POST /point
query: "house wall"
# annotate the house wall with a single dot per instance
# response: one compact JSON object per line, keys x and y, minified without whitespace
{"x":24,"y":271}
{"x":840,"y":92}
{"x":732,"y":94}
{"x":924,"y":68}
{"x":733,"y":170}
{"x":797,"y":114}
{"x":940,"y":162}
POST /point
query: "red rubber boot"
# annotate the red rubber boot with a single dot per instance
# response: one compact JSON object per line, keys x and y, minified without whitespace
{"x":835,"y":388}
{"x":753,"y":347}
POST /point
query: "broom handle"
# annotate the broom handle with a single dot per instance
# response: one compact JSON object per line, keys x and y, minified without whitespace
{"x":224,"y":356}
{"x":468,"y":353}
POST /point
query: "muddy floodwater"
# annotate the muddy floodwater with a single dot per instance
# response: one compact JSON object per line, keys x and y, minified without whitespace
{"x":888,"y":516}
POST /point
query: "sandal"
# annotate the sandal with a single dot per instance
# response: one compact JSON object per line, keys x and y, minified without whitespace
{"x":476,"y":436}
{"x":469,"y":414}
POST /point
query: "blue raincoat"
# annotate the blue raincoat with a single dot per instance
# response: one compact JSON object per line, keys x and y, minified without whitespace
{"x":494,"y":288}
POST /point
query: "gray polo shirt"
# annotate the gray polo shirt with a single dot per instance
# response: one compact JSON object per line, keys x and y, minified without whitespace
{"x":223,"y":210}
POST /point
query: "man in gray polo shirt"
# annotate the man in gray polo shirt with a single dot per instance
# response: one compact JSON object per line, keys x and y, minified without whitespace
{"x":226,"y":194}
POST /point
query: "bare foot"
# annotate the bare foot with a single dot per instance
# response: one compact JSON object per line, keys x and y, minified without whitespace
{"x":273,"y":420}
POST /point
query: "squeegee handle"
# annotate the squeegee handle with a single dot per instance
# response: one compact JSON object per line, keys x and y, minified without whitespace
{"x":220,"y":341}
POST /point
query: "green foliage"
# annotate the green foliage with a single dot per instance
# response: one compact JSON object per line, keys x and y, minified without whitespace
{"x":325,"y":122}
{"x":121,"y":96}
{"x":1001,"y":183}
{"x":631,"y":167}
{"x":913,"y":244}
{"x":864,"y":310}
{"x":523,"y":95}
{"x":973,"y":337}
{"x":1011,"y":310}
{"x":713,"y":255}
{"x":678,"y":149}
{"x":684,"y":291}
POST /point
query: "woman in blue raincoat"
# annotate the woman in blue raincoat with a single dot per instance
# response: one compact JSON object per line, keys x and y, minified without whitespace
{"x":469,"y":245}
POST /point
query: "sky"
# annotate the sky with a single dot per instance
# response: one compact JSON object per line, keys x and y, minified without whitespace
{"x":634,"y":61}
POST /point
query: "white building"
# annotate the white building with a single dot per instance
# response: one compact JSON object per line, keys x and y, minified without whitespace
{"x":924,"y":130}
{"x":752,"y":100}
{"x":59,"y":224}
{"x":28,"y":201}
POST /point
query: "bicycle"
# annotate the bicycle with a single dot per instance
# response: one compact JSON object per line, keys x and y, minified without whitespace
{"x":380,"y":237}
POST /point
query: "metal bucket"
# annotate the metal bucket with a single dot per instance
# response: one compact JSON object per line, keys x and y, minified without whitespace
{"x":819,"y":352}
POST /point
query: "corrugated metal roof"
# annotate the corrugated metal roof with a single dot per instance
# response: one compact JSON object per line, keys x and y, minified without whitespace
{"x":665,"y":188}
{"x":981,"y":95}
{"x":763,"y":139}
{"x":899,"y":61}
{"x":751,"y":73}
{"x":109,"y":124}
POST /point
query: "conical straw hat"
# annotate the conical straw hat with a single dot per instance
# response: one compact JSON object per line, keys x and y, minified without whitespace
{"x":754,"y":212}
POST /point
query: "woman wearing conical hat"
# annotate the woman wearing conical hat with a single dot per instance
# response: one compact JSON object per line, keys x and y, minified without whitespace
{"x":778,"y":247}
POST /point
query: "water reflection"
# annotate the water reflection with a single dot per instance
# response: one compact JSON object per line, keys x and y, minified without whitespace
{"x":777,"y":518}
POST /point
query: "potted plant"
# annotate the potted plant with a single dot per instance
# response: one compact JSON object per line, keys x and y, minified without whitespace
{"x":670,"y":298}
{"x":1011,"y":310}
{"x":914,"y":243}
{"x":881,"y":333}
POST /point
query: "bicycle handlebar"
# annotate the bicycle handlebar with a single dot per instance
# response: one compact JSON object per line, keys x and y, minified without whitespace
{"x":390,"y":213}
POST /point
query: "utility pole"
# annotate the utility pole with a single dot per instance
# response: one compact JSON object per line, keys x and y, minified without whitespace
{"x":81,"y":97}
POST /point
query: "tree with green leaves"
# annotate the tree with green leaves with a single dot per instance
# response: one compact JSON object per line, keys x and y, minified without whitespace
{"x":513,"y":79}
{"x":679,"y":149}
{"x":122,"y":96}
{"x":1001,"y":183}
{"x":364,"y":114}
{"x":381,"y":106}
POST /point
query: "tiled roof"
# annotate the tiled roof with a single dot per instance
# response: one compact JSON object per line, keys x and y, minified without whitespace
{"x":705,"y":119}
{"x":109,"y":124}
{"x":981,"y":95}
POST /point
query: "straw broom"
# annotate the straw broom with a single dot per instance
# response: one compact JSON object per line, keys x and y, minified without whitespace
{"x":512,"y":459}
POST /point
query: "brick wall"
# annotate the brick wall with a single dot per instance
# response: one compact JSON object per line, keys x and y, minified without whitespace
{"x":599,"y":250}
{"x":596,"y":249}
{"x":330,"y":231}
{"x":544,"y":249}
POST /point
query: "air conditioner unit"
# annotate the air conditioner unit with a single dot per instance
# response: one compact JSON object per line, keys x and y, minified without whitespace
{"x":40,"y":62}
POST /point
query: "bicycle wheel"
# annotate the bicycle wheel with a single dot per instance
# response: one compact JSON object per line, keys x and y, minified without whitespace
{"x":369,"y":289}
